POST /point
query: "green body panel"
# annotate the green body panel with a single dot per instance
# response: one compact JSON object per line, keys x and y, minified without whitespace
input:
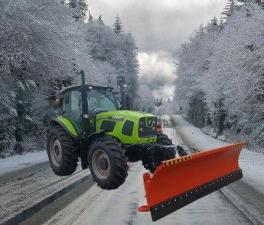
{"x":67,"y":124}
{"x":120,"y":117}
{"x":78,"y":116}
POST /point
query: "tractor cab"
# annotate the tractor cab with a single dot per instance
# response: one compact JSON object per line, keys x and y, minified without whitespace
{"x":80,"y":103}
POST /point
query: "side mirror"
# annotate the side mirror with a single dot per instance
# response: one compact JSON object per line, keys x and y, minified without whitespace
{"x":55,"y":102}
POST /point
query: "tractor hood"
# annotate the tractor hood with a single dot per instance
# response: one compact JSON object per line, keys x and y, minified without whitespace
{"x":130,"y":127}
{"x":123,"y":114}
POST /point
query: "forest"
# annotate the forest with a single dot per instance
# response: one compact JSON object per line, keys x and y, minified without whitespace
{"x":220,"y":74}
{"x":43,"y":47}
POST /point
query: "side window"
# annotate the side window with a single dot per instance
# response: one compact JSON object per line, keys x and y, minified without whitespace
{"x":66,"y":105}
{"x":108,"y":125}
{"x":76,"y":103}
{"x":72,"y":108}
{"x":128,"y":128}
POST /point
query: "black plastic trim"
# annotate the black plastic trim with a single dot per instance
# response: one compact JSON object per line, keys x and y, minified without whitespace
{"x":108,"y":125}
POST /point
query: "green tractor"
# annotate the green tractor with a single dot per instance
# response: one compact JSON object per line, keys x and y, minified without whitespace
{"x":89,"y":126}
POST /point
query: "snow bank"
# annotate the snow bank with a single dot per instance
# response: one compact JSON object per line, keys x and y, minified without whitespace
{"x":252,"y":163}
{"x":22,"y":161}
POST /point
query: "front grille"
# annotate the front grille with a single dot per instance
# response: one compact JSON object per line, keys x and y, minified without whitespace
{"x":147,"y":127}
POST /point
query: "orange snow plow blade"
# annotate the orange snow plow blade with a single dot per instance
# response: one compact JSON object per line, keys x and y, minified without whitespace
{"x":181,"y":181}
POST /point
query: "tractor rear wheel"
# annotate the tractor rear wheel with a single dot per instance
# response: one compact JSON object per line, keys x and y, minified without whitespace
{"x":107,"y":162}
{"x":62,"y":151}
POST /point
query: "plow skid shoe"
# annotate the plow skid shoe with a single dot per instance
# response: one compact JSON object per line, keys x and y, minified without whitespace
{"x":181,"y":181}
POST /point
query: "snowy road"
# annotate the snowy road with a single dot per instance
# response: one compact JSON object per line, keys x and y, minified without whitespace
{"x":21,"y":189}
{"x":119,"y":207}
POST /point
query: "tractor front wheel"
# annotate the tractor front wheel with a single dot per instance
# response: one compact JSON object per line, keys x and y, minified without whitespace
{"x":62,"y":151}
{"x":107,"y":163}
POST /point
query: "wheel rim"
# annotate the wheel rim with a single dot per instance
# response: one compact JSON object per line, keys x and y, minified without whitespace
{"x":101,"y":164}
{"x":56,"y":152}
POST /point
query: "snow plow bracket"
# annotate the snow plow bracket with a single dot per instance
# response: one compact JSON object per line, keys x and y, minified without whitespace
{"x":181,"y":181}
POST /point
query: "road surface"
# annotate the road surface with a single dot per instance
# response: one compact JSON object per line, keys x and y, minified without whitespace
{"x":22,"y":189}
{"x":117,"y":207}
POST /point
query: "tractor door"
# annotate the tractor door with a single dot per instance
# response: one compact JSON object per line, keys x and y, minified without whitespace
{"x":72,"y":108}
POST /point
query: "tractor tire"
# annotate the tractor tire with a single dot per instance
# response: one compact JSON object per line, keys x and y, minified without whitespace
{"x":107,"y":162}
{"x":168,"y":153}
{"x":62,"y":151}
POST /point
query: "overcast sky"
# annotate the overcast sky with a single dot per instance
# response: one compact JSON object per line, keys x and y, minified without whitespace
{"x":159,"y":27}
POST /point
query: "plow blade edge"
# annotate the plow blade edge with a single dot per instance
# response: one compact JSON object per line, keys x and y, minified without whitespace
{"x":181,"y":181}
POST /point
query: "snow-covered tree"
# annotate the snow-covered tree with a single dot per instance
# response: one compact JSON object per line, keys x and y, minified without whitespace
{"x":100,"y":20}
{"x":193,"y":63}
{"x":226,"y":63}
{"x":117,"y":51}
{"x":117,"y":25}
{"x":229,"y":8}
{"x":90,"y":18}
{"x":145,"y":101}
{"x":79,"y":9}
{"x":43,"y":49}
{"x":197,"y":110}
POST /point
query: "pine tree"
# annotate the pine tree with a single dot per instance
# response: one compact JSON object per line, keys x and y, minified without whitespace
{"x":118,"y":25}
{"x":197,"y":110}
{"x":229,"y":9}
{"x":214,"y":21}
{"x":260,"y":3}
{"x":80,"y":9}
{"x":213,"y":25}
{"x":7,"y":125}
{"x":219,"y":115}
{"x":99,"y":20}
{"x":90,"y":18}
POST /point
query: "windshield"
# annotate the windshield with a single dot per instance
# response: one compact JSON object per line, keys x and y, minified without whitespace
{"x":100,"y":100}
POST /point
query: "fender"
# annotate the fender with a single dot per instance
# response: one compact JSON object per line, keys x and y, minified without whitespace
{"x":84,"y":147}
{"x":84,"y":142}
{"x":67,"y":125}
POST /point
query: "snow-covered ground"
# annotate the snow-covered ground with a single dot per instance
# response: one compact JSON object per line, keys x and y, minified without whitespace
{"x":119,"y":207}
{"x":19,"y":162}
{"x":25,"y":186}
{"x":252,"y":163}
{"x":28,"y":179}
